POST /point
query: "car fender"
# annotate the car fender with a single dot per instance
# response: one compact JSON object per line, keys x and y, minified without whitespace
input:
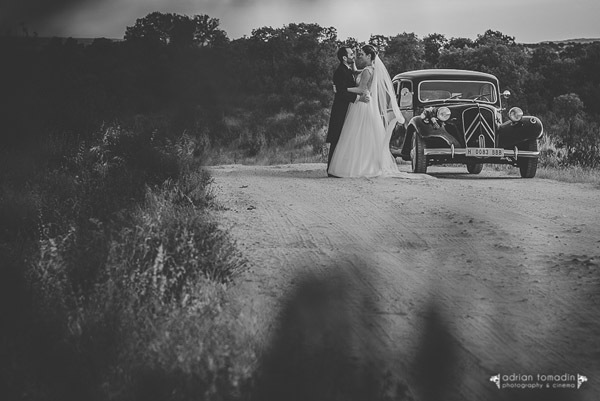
{"x":429,"y":130}
{"x":513,"y":133}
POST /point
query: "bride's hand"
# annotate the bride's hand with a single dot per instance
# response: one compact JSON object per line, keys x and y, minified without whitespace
{"x":365,"y":97}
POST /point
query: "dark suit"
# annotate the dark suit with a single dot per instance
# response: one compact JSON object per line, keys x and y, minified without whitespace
{"x":342,"y":79}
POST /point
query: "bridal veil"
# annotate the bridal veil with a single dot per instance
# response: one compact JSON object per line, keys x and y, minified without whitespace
{"x":382,"y":91}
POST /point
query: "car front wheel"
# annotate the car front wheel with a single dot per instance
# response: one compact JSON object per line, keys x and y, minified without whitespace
{"x":528,"y":165}
{"x":417,"y":155}
{"x":474,"y":168}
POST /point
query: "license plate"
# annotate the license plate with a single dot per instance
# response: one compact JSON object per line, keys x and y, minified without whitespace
{"x":485,"y":152}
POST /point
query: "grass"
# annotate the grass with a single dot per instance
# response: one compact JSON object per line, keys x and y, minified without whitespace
{"x":554,"y":165}
{"x":116,"y":274}
{"x":573,"y":174}
{"x":301,"y":149}
{"x":266,"y":157}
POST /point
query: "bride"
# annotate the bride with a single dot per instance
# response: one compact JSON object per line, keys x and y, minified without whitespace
{"x":363,"y":148}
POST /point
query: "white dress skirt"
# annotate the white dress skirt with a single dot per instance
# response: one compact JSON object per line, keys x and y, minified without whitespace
{"x":362,"y":150}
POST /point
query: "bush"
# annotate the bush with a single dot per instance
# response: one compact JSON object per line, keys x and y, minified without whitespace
{"x":253,"y":140}
{"x":109,"y":242}
{"x":170,"y":248}
{"x":573,"y":136}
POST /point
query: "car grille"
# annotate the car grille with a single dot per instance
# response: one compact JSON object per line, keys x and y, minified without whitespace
{"x":478,"y":126}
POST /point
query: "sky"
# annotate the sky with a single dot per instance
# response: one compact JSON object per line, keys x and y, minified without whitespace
{"x":529,"y":21}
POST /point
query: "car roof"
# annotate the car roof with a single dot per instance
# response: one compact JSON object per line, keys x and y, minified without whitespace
{"x":421,"y":75}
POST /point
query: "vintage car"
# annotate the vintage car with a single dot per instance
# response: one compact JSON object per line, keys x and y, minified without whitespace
{"x":455,"y":117}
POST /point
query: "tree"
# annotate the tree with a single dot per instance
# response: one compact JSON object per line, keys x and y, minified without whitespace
{"x":178,"y":30}
{"x":207,"y":32}
{"x":181,"y":31}
{"x":495,"y":55}
{"x":351,"y":43}
{"x":542,"y":57}
{"x":573,"y":128}
{"x":548,"y":77}
{"x":277,"y":56}
{"x":491,"y":37}
{"x":380,"y":42}
{"x":567,"y":106}
{"x":590,"y":78}
{"x":432,"y":44}
{"x":459,"y":43}
{"x":154,"y":27}
{"x":309,"y":32}
{"x":404,"y":53}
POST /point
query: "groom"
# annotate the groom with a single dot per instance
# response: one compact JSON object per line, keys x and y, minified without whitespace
{"x":343,"y":79}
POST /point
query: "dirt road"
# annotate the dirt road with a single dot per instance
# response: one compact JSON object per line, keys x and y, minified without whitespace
{"x":440,"y":280}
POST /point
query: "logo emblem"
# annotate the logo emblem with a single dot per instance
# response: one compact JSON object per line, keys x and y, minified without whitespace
{"x":496,"y":379}
{"x":539,"y":381}
{"x":580,"y":380}
{"x":478,"y":125}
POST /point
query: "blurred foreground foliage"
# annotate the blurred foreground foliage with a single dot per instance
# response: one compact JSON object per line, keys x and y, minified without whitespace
{"x":114,"y":272}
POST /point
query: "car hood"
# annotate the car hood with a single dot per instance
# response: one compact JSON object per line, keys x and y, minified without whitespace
{"x":461,"y":105}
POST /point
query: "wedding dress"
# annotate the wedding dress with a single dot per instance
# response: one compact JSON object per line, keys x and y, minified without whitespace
{"x":363,"y":148}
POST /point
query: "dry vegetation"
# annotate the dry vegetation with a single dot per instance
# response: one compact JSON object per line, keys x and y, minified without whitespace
{"x":115,"y":273}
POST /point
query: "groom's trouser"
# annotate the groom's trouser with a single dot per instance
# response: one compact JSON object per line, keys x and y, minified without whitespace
{"x":332,"y":146}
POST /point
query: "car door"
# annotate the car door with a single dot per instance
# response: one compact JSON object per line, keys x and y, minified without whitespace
{"x":403,"y":91}
{"x":405,"y":96}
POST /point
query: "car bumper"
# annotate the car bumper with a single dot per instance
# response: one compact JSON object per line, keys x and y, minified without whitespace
{"x":461,"y":152}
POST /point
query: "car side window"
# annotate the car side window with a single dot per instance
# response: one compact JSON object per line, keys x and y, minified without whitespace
{"x":405,"y":97}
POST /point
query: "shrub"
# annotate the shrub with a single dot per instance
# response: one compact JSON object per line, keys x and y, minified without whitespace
{"x":252,"y":141}
{"x":170,"y":248}
{"x":573,"y":135}
{"x":111,"y":242}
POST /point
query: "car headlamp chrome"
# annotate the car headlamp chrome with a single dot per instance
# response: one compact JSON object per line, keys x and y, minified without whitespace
{"x":443,"y":114}
{"x":515,"y":114}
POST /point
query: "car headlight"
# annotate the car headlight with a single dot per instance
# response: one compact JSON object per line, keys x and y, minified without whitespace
{"x":515,"y":114}
{"x":443,"y":114}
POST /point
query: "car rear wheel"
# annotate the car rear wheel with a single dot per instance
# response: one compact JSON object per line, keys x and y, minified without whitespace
{"x":417,"y":155}
{"x":528,"y":165}
{"x":474,"y":168}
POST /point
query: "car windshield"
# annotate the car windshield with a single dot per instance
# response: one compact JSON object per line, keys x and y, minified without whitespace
{"x":440,"y":90}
